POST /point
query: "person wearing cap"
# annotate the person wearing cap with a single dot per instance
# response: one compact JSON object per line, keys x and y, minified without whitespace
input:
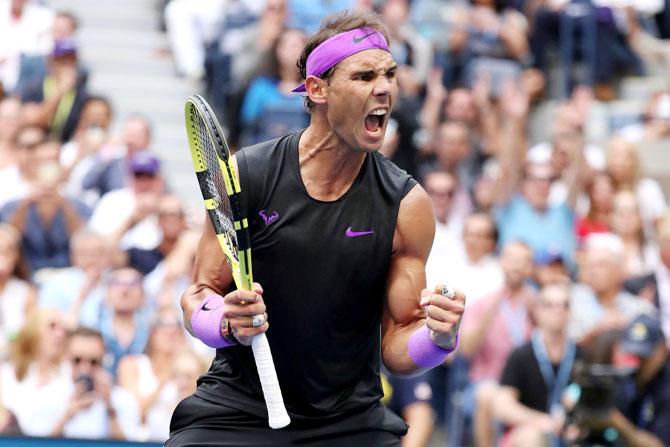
{"x":57,"y":100}
{"x":340,"y":237}
{"x":127,"y":215}
{"x":642,"y":346}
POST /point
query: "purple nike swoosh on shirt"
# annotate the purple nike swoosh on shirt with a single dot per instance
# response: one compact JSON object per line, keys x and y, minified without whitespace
{"x":351,"y":233}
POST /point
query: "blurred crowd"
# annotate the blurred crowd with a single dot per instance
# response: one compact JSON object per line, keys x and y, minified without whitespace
{"x":561,"y":243}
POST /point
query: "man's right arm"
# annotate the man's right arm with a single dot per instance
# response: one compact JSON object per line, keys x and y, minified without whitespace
{"x":508,"y":409}
{"x":211,"y":274}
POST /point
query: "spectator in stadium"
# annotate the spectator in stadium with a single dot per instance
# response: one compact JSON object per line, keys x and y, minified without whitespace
{"x":492,"y":328}
{"x":17,"y":295}
{"x":172,"y":223}
{"x":34,"y":68}
{"x":528,"y":402}
{"x":145,"y":375}
{"x":127,"y":216}
{"x":623,"y":164}
{"x":654,"y":123}
{"x":600,"y":192}
{"x":491,"y":38}
{"x":10,"y":123}
{"x":643,"y":343}
{"x":96,"y":408}
{"x":15,"y":179}
{"x":46,"y":217}
{"x":56,"y":101}
{"x":410,"y":398}
{"x":36,"y":370}
{"x":441,"y":188}
{"x":409,"y":49}
{"x":186,"y":368}
{"x":24,"y":30}
{"x":454,"y":152}
{"x":166,"y":283}
{"x":86,"y":158}
{"x":124,"y":320}
{"x":640,"y":252}
{"x":478,"y":271}
{"x":656,"y":286}
{"x":191,"y":28}
{"x":269,"y":109}
{"x":550,"y":269}
{"x":522,"y":210}
{"x":600,"y":304}
{"x":78,"y":291}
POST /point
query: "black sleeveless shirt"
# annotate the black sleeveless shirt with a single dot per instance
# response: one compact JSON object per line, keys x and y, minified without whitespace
{"x":323,"y":267}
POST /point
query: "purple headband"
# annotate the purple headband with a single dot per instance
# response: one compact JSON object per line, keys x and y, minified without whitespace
{"x":331,"y":51}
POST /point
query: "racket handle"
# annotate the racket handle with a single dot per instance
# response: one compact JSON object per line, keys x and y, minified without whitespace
{"x":277,"y":415}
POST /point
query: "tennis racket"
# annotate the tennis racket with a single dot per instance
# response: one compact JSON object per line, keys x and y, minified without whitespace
{"x":220,"y":187}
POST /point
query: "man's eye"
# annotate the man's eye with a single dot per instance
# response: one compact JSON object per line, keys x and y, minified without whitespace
{"x":363,"y":77}
{"x":390,"y":74}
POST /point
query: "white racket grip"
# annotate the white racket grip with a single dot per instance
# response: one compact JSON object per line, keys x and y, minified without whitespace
{"x":277,"y":415}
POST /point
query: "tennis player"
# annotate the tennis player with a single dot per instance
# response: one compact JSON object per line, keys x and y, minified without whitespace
{"x":339,"y":239}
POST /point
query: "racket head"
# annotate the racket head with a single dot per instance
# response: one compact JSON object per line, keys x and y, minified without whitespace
{"x":220,"y":187}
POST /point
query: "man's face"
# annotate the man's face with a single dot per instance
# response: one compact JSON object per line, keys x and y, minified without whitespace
{"x":517,"y":264}
{"x":553,"y":308}
{"x":86,"y":354}
{"x":90,"y":254}
{"x":478,"y":236}
{"x":171,"y":217}
{"x":602,"y":270}
{"x":360,"y":95}
{"x":536,"y":185}
{"x":441,"y":187}
{"x":125,"y":291}
{"x":452,"y":145}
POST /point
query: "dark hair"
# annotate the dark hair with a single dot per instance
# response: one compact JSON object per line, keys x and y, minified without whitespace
{"x":332,"y":25}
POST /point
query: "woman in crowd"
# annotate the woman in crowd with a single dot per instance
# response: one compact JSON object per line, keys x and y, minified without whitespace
{"x":623,"y":164}
{"x":186,"y":368}
{"x":146,"y":375}
{"x":36,"y":369}
{"x":600,"y":191}
{"x":17,"y":296}
{"x":269,"y":109}
{"x":640,"y":256}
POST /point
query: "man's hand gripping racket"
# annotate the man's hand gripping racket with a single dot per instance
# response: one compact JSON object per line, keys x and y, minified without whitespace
{"x":220,"y":189}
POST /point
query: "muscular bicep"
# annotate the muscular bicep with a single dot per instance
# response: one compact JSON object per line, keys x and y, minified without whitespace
{"x":412,"y":242}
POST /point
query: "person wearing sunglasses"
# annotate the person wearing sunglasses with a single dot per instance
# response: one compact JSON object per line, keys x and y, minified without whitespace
{"x":96,"y":408}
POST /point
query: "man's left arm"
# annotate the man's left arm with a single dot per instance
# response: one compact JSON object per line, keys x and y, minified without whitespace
{"x":419,"y":326}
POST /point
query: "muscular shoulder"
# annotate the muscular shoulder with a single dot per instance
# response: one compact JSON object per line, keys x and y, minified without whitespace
{"x":415,"y":227}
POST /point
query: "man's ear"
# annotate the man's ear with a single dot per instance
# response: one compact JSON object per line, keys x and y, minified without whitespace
{"x":316,"y":89}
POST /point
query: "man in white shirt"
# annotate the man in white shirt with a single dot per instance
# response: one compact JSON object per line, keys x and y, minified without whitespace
{"x":96,"y":408}
{"x":478,"y":272}
{"x":441,"y":186}
{"x":128,"y":215}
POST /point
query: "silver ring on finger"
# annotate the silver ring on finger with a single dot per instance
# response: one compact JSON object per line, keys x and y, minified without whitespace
{"x":448,"y":292}
{"x":257,"y":320}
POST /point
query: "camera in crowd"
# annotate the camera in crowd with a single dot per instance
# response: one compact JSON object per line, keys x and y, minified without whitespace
{"x":596,"y":389}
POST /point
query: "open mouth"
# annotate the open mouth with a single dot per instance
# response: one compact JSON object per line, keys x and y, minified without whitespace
{"x":374,"y":121}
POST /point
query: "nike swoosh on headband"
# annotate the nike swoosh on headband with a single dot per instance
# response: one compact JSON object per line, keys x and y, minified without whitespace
{"x":360,"y":39}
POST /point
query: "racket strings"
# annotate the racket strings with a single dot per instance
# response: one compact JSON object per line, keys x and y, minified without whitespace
{"x":216,"y":184}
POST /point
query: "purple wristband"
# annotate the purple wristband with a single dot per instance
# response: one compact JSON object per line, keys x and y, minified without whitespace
{"x":206,"y":322}
{"x":424,"y":352}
